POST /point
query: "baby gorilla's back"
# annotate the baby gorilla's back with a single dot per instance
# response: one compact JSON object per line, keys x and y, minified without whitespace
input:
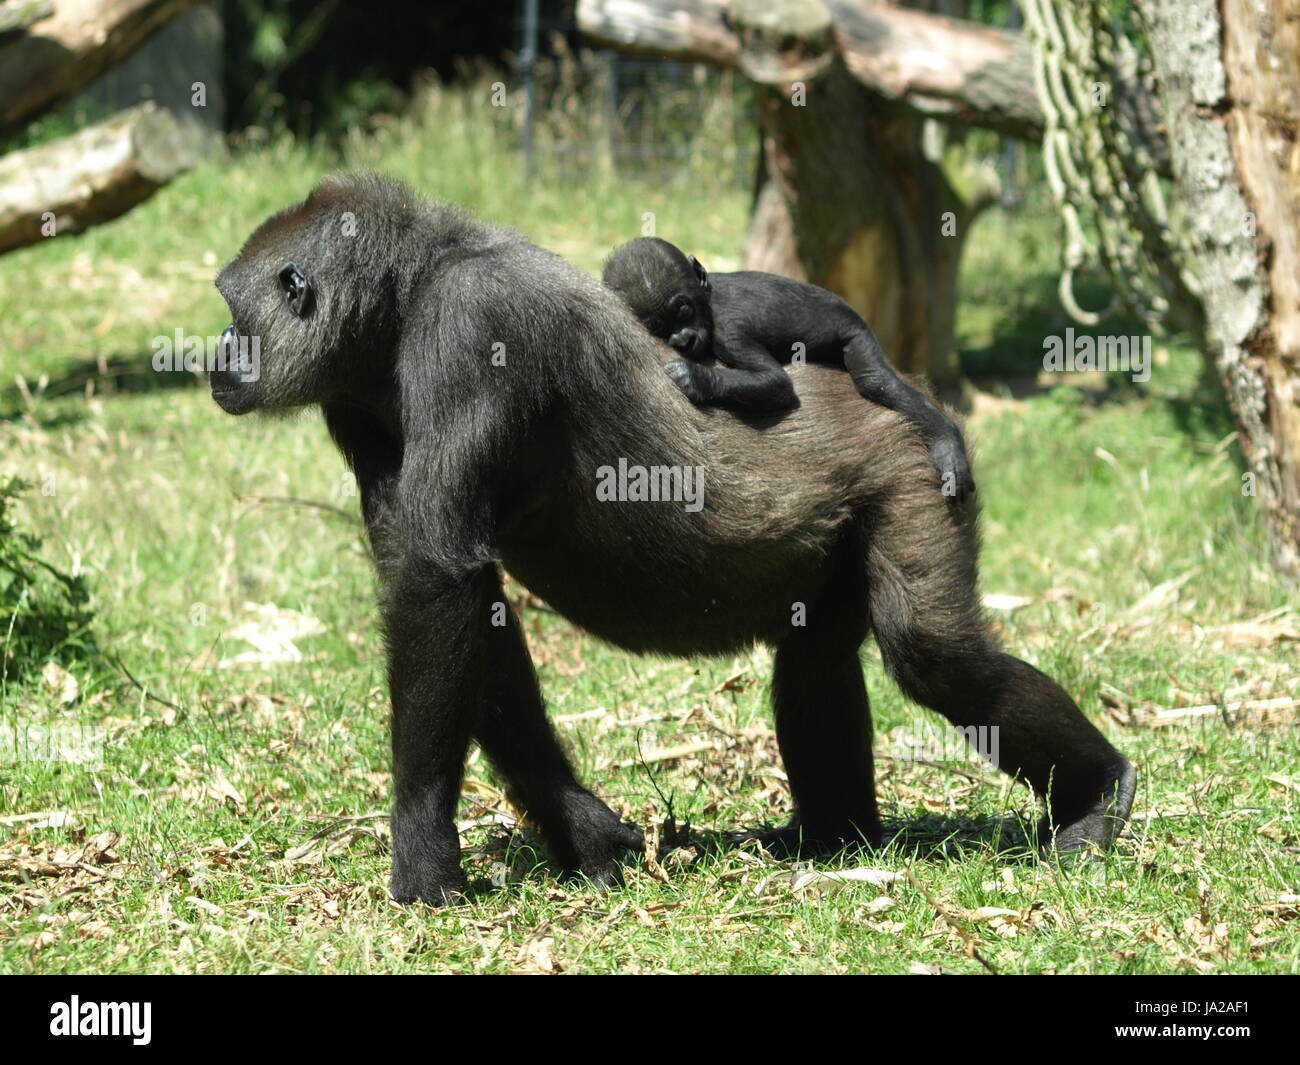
{"x":793,"y":320}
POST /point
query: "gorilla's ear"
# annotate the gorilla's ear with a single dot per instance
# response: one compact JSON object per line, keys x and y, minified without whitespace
{"x":701,"y":274}
{"x":298,"y":295}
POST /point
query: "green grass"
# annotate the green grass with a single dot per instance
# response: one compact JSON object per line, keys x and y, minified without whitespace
{"x":189,"y":849}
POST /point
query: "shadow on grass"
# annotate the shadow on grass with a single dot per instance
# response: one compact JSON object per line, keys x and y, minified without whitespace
{"x":513,"y":856}
{"x":1014,"y":357}
{"x":1204,"y":411}
{"x":107,"y":376}
{"x":926,"y":837}
{"x":1011,"y":364}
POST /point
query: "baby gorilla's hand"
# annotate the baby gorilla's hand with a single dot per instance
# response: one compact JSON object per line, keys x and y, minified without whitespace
{"x":688,"y":377}
{"x":948,"y":454}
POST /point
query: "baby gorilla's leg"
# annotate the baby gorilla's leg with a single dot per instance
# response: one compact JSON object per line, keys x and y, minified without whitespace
{"x":876,"y":380}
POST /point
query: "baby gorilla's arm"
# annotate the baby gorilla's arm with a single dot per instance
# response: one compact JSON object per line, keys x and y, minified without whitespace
{"x":755,"y":380}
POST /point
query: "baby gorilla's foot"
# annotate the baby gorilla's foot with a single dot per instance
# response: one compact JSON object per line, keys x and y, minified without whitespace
{"x":948,"y":454}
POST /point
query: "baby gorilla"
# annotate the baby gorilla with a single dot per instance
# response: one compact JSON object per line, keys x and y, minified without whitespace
{"x":754,"y":322}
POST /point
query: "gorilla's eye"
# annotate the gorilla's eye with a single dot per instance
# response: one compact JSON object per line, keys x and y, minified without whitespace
{"x":682,"y":309}
{"x":297,"y":291}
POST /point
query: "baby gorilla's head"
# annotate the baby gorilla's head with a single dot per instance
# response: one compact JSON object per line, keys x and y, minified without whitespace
{"x":667,"y":290}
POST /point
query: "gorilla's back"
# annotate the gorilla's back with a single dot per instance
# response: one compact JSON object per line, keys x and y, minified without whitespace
{"x":677,"y":576}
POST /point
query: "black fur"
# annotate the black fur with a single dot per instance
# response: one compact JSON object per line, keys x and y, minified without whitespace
{"x":465,"y":374}
{"x":755,"y":323}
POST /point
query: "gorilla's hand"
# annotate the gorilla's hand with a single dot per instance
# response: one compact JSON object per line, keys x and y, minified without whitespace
{"x":691,"y":378}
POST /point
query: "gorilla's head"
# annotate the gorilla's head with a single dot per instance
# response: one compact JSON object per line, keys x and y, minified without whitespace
{"x":315,"y":293}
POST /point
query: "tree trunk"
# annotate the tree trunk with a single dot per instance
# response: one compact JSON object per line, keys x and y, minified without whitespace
{"x":1230,"y":91}
{"x":62,"y":54}
{"x":875,"y":216}
{"x":96,"y":174}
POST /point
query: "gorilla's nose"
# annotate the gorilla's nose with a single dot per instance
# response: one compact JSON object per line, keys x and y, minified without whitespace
{"x":226,"y":372}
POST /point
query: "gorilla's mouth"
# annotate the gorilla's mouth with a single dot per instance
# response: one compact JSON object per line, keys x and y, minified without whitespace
{"x":232,"y":399}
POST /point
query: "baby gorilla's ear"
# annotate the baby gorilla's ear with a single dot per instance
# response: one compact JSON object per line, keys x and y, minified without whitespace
{"x":701,"y":274}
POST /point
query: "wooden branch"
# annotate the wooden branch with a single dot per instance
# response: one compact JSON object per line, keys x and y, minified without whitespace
{"x":693,"y":30}
{"x":96,"y":174}
{"x":62,"y":54}
{"x":943,"y":66}
{"x":18,"y":15}
{"x":949,"y":68}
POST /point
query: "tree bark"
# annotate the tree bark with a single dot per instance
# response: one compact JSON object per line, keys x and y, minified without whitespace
{"x":96,"y":174}
{"x":878,"y":217}
{"x":62,"y":54}
{"x":1230,"y":91}
{"x":940,"y":65}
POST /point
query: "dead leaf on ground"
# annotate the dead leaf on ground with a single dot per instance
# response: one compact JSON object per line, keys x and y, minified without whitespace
{"x":807,"y":884}
{"x":219,"y":787}
{"x":272,"y":631}
{"x":61,"y":685}
{"x":1002,"y":601}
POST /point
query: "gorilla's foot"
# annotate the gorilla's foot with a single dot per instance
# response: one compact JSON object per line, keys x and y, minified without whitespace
{"x":593,"y":840}
{"x":421,"y":881}
{"x":1094,"y":819}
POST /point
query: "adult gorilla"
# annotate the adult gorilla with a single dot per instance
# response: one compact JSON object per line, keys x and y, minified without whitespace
{"x":482,"y":389}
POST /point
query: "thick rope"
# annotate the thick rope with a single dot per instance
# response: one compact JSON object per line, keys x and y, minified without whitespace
{"x":1099,"y":170}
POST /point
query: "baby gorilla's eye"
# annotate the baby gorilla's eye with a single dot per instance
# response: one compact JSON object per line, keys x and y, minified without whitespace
{"x":683,"y":309}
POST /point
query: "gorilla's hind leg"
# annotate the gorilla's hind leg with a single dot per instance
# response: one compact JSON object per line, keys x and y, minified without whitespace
{"x":926,"y":615}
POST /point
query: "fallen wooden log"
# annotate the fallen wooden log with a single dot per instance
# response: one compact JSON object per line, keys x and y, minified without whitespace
{"x":91,"y":176}
{"x":61,"y":54}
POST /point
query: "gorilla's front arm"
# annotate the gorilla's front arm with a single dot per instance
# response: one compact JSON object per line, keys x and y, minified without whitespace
{"x":459,"y":668}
